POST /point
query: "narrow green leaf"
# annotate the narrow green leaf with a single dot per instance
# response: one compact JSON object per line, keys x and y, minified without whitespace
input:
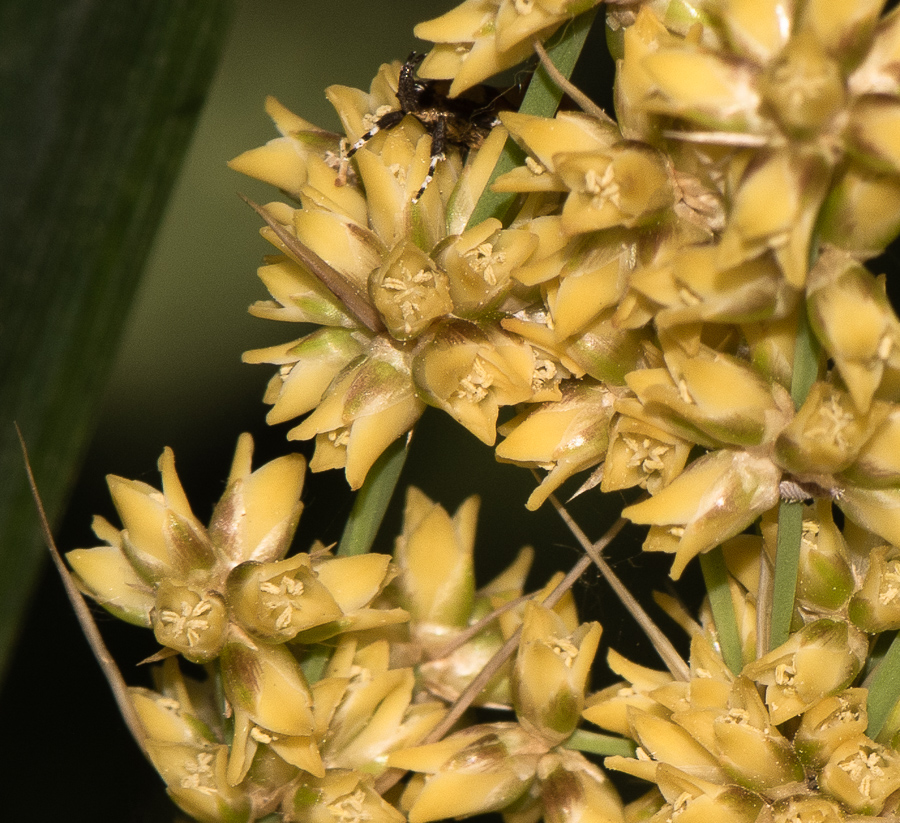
{"x":98,"y":101}
{"x":884,"y":689}
{"x":542,"y":99}
{"x":806,"y":361}
{"x":790,"y":515}
{"x":602,"y":744}
{"x":715,"y":574}
{"x":372,"y":500}
{"x":787,"y":560}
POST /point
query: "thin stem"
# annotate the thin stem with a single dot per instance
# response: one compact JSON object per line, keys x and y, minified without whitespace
{"x":670,"y":657}
{"x":581,"y":99}
{"x":763,"y":604}
{"x":790,"y":515}
{"x":465,"y":636}
{"x":787,"y":561}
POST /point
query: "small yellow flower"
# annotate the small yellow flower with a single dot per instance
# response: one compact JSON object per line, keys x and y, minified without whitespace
{"x":715,"y":498}
{"x":551,"y":673}
{"x":563,"y":437}
{"x":341,"y":796}
{"x":818,"y":661}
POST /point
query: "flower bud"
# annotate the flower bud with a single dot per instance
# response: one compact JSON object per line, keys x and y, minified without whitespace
{"x":803,"y":87}
{"x":827,"y":432}
{"x":668,"y":742}
{"x":852,"y":317}
{"x":701,"y":86}
{"x":824,"y":579}
{"x":259,"y":512}
{"x":878,"y":463}
{"x":626,"y":185}
{"x":106,"y":575}
{"x":161,"y":536}
{"x":434,"y":553}
{"x":376,"y":715}
{"x":478,"y":770}
{"x":195,"y":779}
{"x":282,"y":162}
{"x":719,"y":395}
{"x":861,"y":214}
{"x":605,"y":350}
{"x":828,"y":724}
{"x":565,"y":135}
{"x":692,"y":800}
{"x":409,"y":291}
{"x":354,"y":582}
{"x":307,"y":367}
{"x":573,"y":790}
{"x":480,"y":263}
{"x":775,"y":207}
{"x":564,"y":437}
{"x":470,"y":374}
{"x":609,"y":707}
{"x":750,"y":748}
{"x":715,"y":498}
{"x":643,"y":455}
{"x":300,"y":297}
{"x":166,"y":721}
{"x":368,"y":406}
{"x":876,"y":510}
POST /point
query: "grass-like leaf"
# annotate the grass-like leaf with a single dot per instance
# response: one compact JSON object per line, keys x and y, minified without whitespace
{"x":884,"y":689}
{"x":98,"y":101}
{"x":790,"y":514}
{"x":372,"y":500}
{"x":602,"y":744}
{"x":715,"y":575}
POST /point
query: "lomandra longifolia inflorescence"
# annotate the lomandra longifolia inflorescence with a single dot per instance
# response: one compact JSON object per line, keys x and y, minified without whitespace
{"x":672,"y":297}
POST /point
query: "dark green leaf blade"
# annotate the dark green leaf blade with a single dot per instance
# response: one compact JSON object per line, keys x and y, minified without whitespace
{"x":98,"y":102}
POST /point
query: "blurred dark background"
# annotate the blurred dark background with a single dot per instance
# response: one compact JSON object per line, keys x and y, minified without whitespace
{"x":179,"y":382}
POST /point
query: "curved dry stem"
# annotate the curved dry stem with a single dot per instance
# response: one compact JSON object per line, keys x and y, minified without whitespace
{"x":584,"y":102}
{"x":670,"y":657}
{"x":466,"y":698}
{"x":470,"y":631}
{"x":111,"y":671}
{"x":354,"y":301}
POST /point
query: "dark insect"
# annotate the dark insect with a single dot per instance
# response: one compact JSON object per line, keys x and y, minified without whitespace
{"x":462,"y":121}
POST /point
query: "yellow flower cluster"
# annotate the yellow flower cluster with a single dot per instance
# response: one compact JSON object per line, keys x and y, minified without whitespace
{"x":716,"y":750}
{"x":329,"y":666}
{"x":643,"y":307}
{"x":642,"y":300}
